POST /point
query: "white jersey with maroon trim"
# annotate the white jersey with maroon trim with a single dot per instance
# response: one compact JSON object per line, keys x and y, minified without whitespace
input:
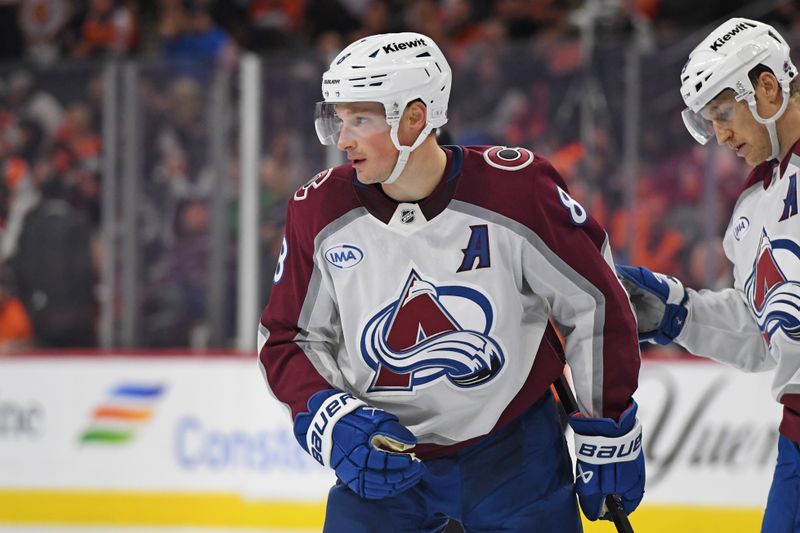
{"x":755,"y":326}
{"x":437,"y":311}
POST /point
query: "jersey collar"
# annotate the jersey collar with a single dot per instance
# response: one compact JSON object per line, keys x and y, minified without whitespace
{"x":383,"y":207}
{"x":763,"y":172}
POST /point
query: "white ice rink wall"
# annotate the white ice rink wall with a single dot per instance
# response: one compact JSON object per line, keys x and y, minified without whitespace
{"x":180,"y":440}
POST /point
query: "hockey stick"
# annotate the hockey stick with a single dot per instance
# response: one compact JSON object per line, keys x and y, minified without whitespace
{"x":613,"y":502}
{"x":569,"y":405}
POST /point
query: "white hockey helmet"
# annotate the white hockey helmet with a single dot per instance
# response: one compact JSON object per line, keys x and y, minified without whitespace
{"x":393,"y":69}
{"x":722,"y":61}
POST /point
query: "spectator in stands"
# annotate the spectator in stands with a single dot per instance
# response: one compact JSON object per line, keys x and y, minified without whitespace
{"x":192,"y":42}
{"x":461,"y":26}
{"x":181,"y":142}
{"x":323,"y":16}
{"x":175,"y":305}
{"x":54,"y":271}
{"x":16,"y":332}
{"x":274,"y":23}
{"x":108,"y":28}
{"x":77,"y":136}
{"x":425,"y":16}
{"x":19,"y":194}
{"x":43,"y":23}
{"x":29,"y":102}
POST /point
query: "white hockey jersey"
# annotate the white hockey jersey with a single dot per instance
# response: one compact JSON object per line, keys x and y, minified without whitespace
{"x":438,"y":311}
{"x":755,"y":325}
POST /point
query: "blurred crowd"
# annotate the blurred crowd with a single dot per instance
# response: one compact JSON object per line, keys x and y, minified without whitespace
{"x":45,"y":31}
{"x":522,"y":77}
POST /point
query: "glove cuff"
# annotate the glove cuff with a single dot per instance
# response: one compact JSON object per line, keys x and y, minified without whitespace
{"x":319,"y":438}
{"x":599,"y":450}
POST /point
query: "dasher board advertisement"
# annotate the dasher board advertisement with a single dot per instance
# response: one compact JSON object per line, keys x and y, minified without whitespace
{"x":187,"y":424}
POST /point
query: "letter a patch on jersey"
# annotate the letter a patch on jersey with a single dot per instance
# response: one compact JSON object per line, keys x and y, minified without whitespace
{"x":790,"y":202}
{"x":477,"y":249}
{"x":416,"y":339}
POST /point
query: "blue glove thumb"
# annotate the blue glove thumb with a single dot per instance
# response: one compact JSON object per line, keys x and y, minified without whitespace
{"x":365,"y":446}
{"x":660,"y":303}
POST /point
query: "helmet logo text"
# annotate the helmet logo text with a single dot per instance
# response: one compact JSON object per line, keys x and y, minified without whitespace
{"x":732,"y":33}
{"x":394,"y":47}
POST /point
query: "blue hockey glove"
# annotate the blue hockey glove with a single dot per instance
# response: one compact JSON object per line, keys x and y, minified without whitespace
{"x":658,"y":300}
{"x":609,"y":460}
{"x":363,"y":445}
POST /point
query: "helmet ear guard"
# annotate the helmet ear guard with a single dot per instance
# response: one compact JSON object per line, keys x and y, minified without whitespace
{"x":724,"y":60}
{"x":393,"y":69}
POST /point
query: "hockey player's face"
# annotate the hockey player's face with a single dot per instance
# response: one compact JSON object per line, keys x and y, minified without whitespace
{"x":365,"y":138}
{"x":735,"y":127}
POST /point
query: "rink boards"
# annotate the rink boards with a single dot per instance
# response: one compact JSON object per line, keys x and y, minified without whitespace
{"x":177,"y":440}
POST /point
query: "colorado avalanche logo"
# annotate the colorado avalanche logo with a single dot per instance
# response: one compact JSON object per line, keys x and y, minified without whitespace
{"x":506,"y":158}
{"x":774,"y":299}
{"x":415,"y":340}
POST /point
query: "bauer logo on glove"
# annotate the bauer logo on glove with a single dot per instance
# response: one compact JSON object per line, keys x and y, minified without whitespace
{"x":604,"y":450}
{"x":335,"y":408}
{"x":365,"y":446}
{"x":609,"y":461}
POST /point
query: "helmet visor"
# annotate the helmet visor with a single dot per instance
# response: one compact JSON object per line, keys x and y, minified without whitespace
{"x":327,"y":123}
{"x":701,"y":129}
{"x":359,"y":119}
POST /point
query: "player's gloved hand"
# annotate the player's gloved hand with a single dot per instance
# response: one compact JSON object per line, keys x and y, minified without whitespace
{"x":365,"y":446}
{"x":658,"y":300}
{"x":609,"y":460}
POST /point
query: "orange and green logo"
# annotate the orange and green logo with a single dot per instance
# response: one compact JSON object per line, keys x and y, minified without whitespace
{"x":128,"y":407}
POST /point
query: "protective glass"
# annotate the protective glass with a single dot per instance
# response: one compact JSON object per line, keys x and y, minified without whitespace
{"x":361,"y":119}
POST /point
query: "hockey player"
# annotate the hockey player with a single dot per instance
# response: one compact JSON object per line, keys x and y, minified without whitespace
{"x":408,"y":326}
{"x":737,"y":87}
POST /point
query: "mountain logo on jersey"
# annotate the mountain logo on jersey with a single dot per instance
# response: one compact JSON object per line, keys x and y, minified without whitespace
{"x":430,"y":333}
{"x":773,"y":298}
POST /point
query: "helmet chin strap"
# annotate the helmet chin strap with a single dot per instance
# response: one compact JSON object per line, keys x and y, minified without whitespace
{"x":405,"y":152}
{"x":770,"y":122}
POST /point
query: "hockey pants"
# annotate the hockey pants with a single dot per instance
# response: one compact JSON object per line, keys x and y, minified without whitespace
{"x":517,"y":480}
{"x":783,"y":504}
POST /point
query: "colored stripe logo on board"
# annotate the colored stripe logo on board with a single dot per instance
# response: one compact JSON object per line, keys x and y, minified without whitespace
{"x":128,"y":408}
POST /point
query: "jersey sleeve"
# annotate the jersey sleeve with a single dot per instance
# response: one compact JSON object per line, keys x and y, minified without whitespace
{"x":298,"y":333}
{"x":720,"y":326}
{"x":569,"y":262}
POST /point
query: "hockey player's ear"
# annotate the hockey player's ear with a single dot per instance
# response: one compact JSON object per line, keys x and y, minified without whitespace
{"x":415,"y":116}
{"x":768,"y":88}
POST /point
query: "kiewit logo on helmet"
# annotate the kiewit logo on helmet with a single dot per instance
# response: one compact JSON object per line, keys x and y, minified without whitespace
{"x":394,"y":47}
{"x":728,"y":36}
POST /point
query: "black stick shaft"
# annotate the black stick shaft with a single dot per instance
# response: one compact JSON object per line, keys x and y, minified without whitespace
{"x":613,"y":502}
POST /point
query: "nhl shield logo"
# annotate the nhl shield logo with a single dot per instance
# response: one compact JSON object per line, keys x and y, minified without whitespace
{"x":416,"y":339}
{"x":407,"y":216}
